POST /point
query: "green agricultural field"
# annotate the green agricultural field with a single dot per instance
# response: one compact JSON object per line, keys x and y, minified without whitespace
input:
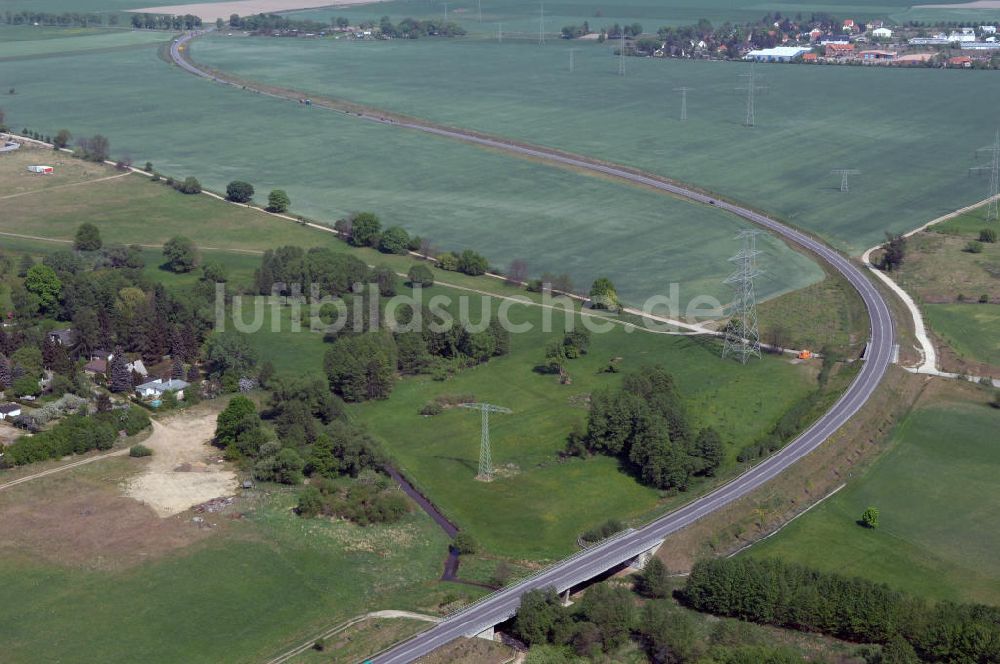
{"x":810,"y":119}
{"x":969,"y":329}
{"x":19,"y":42}
{"x":458,"y":195}
{"x":936,"y":490}
{"x":250,"y":590}
{"x":540,"y":503}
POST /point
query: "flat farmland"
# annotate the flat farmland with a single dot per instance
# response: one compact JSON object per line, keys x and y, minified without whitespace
{"x":458,"y":195}
{"x":936,"y":489}
{"x":20,"y":42}
{"x":901,"y":128}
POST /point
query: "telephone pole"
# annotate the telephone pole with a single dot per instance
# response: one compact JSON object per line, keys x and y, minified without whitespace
{"x":485,"y":458}
{"x":684,"y":101}
{"x":992,"y":212}
{"x":844,"y":173}
{"x":742,"y":335}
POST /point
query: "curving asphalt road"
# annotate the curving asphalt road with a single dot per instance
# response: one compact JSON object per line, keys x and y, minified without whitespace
{"x":503,"y":604}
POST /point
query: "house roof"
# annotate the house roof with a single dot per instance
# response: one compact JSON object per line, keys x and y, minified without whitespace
{"x":65,"y":335}
{"x":96,"y":366}
{"x":9,"y":408}
{"x":840,"y":47}
{"x":160,"y":385}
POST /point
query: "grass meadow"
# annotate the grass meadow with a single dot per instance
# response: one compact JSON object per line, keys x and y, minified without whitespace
{"x":969,"y":329}
{"x":936,"y":491}
{"x":18,"y":42}
{"x":252,"y":589}
{"x":901,"y":128}
{"x":458,"y":195}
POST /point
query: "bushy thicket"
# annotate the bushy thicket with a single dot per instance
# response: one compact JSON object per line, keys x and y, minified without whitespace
{"x":777,"y":593}
{"x":76,"y":434}
{"x":373,"y":500}
{"x":645,"y":423}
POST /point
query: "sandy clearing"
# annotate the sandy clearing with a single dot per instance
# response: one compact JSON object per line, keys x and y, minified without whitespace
{"x":180,"y":474}
{"x":977,"y":4}
{"x":209,"y":11}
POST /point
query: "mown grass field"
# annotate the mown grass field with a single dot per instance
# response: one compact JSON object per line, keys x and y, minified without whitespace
{"x":936,"y":490}
{"x":969,"y":329}
{"x":914,"y":164}
{"x":459,"y":196}
{"x":250,"y":590}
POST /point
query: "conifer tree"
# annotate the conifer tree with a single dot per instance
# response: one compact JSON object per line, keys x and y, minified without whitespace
{"x":121,"y":378}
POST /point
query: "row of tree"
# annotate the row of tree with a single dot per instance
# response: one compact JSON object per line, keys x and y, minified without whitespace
{"x":65,"y":19}
{"x":165,"y":22}
{"x":784,"y":594}
{"x":76,"y":434}
{"x":645,"y":424}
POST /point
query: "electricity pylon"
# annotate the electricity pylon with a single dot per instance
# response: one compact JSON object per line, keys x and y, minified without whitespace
{"x":485,"y":458}
{"x":684,"y":101}
{"x":742,"y":335}
{"x":992,"y":211}
{"x":844,"y":173}
{"x":751,"y":90}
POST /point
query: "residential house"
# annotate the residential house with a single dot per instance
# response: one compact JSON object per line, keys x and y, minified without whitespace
{"x":9,"y":410}
{"x":877,"y":56}
{"x":882,"y":33}
{"x":839,"y":50}
{"x":155,"y":389}
{"x":960,"y":62}
{"x":99,"y":364}
{"x":815,"y":34}
{"x":849,"y":26}
{"x":64,"y":337}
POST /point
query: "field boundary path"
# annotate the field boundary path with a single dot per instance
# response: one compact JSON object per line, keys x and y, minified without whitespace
{"x":501,"y":605}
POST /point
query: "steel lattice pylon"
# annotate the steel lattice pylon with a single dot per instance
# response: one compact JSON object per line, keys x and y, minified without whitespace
{"x":742,"y":336}
{"x":992,"y":211}
{"x":485,"y":457}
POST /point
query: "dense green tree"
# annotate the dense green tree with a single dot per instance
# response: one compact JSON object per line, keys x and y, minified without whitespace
{"x":42,"y":282}
{"x":709,"y":448}
{"x":471,"y":263}
{"x":229,"y":353}
{"x":541,"y":618}
{"x":181,"y":254}
{"x":278,"y":201}
{"x":988,"y":235}
{"x":386,"y":280}
{"x":612,"y":610}
{"x":62,"y":138}
{"x":395,"y":240}
{"x":239,"y":191}
{"x":188,"y":185}
{"x":654,"y":580}
{"x":869,"y":518}
{"x":670,"y":634}
{"x":121,"y":377}
{"x":420,"y":275}
{"x":214,"y":272}
{"x":603,"y":294}
{"x":365,"y":229}
{"x":284,"y":467}
{"x":465,"y":544}
{"x":361,"y":367}
{"x":894,"y":251}
{"x":87,"y":238}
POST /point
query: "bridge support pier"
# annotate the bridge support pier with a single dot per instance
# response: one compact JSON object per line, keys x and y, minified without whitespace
{"x":565,"y":598}
{"x":639,"y":562}
{"x":488,"y":634}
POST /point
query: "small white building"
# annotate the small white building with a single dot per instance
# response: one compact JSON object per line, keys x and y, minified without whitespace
{"x":966,"y":35}
{"x":882,"y":33}
{"x":9,"y":410}
{"x":155,"y":389}
{"x":988,"y":29}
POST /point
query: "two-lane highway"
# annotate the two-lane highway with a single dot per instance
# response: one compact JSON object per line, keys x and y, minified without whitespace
{"x":503,"y":604}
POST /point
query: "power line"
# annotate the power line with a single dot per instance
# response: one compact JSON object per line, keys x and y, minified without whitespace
{"x":992,"y":211}
{"x":844,"y":173}
{"x":485,"y":458}
{"x":742,"y":335}
{"x":684,"y":101}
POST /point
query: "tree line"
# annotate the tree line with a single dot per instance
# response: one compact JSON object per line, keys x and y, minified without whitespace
{"x":775,"y":592}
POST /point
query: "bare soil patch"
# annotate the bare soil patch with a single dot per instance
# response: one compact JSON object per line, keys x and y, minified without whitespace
{"x":469,"y":651}
{"x":80,"y":519}
{"x":185,"y":470}
{"x":209,"y":11}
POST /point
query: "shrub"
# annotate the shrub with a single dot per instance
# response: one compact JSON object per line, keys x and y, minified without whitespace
{"x":239,"y":191}
{"x":394,"y":240}
{"x":988,"y":235}
{"x":984,"y":299}
{"x":139,"y":450}
{"x":190,"y":185}
{"x":420,"y":275}
{"x":278,"y":201}
{"x":465,"y":544}
{"x":603,"y":531}
{"x":431,"y":408}
{"x":869,"y":518}
{"x":974,"y":247}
